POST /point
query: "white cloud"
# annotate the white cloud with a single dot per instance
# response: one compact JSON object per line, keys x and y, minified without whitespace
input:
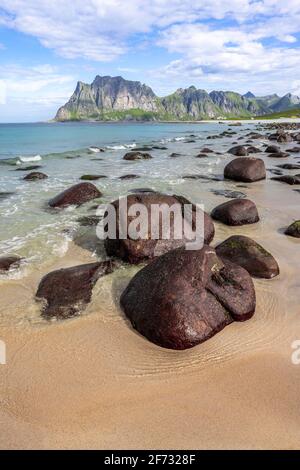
{"x":37,"y":84}
{"x":98,"y":29}
{"x":241,"y":43}
{"x":2,"y":92}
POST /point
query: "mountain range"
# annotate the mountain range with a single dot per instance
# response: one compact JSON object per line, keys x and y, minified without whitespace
{"x":114,"y":98}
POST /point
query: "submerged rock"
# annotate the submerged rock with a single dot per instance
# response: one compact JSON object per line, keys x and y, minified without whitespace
{"x":68,"y":291}
{"x":5,"y":194}
{"x":89,"y":220}
{"x":185,"y":297}
{"x":76,"y":195}
{"x":278,"y":155}
{"x":9,"y":262}
{"x":145,"y":248}
{"x":294,"y":229}
{"x":289,"y":166}
{"x":247,"y":253}
{"x":236,"y":212}
{"x":129,"y":177}
{"x":228,"y":193}
{"x":137,"y":156}
{"x":245,"y":169}
{"x":29,"y":168}
{"x":35,"y":175}
{"x":175,"y":155}
{"x":91,"y":177}
{"x":288,"y":179}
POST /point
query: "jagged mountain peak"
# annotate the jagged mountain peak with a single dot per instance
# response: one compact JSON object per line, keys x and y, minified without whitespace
{"x":116,"y":98}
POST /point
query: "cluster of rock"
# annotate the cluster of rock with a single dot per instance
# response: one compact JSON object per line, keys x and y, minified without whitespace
{"x":181,"y":297}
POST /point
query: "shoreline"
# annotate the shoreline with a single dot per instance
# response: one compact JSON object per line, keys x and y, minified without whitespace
{"x":93,"y":382}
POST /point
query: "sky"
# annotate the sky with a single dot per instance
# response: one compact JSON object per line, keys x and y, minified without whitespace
{"x":238,"y":45}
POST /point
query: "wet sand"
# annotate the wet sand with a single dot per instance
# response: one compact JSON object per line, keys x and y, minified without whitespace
{"x":94,"y":382}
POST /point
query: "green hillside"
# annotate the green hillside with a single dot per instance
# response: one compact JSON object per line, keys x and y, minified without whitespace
{"x":291,"y":113}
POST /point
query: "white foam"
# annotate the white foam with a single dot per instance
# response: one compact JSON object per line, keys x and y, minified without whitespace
{"x":121,"y":147}
{"x":35,"y":158}
{"x":94,"y":149}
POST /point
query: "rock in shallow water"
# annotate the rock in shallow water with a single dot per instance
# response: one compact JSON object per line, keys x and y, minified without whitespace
{"x":135,"y":251}
{"x":288,"y":179}
{"x":245,"y":169}
{"x":238,"y":150}
{"x":68,"y":291}
{"x":137,"y":156}
{"x":236,"y":212}
{"x":294,"y":229}
{"x":9,"y":262}
{"x":35,"y":176}
{"x":185,"y":297}
{"x":228,"y":193}
{"x":92,"y":177}
{"x":247,"y":253}
{"x":76,"y":195}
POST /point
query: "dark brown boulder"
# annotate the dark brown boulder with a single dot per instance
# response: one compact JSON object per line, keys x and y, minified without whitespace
{"x":252,"y":149}
{"x":76,"y":195}
{"x":294,"y":229}
{"x":239,"y":151}
{"x":145,"y":248}
{"x":236,"y":212}
{"x":34,"y":176}
{"x":185,"y":297}
{"x":137,"y":156}
{"x":288,"y":179}
{"x":67,"y":291}
{"x":250,"y":255}
{"x":9,"y":262}
{"x":206,"y":150}
{"x":293,"y":150}
{"x":272,"y":149}
{"x":245,"y":169}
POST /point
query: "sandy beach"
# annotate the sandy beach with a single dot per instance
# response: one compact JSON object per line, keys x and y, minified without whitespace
{"x":94,"y":382}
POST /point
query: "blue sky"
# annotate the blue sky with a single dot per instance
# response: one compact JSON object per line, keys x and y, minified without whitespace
{"x":47,"y":46}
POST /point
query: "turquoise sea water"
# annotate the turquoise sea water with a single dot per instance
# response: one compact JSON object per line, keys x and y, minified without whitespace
{"x":46,"y":138}
{"x":62,"y":151}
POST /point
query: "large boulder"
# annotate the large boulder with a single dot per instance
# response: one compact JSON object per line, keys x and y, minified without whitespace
{"x":145,"y":248}
{"x":185,"y":297}
{"x":76,"y":195}
{"x":294,"y":229}
{"x":137,"y":156}
{"x":245,"y":169}
{"x":9,"y":262}
{"x":236,"y":212}
{"x":66,"y":292}
{"x":247,"y":253}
